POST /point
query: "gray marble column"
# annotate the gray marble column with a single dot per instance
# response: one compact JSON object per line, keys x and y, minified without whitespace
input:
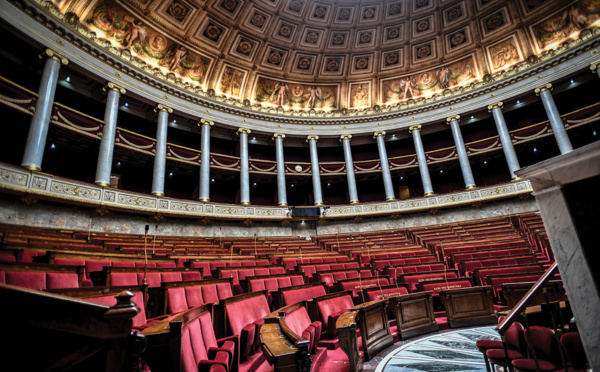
{"x":558,"y":128}
{"x":204,"y":194}
{"x":107,"y":145}
{"x":281,"y":187}
{"x":160,"y":155}
{"x":345,"y":139}
{"x":463,"y":158}
{"x":244,"y":167}
{"x":40,"y":122}
{"x":507,"y":146}
{"x":557,"y":186}
{"x":385,"y":166}
{"x":425,"y":178}
{"x":316,"y":173}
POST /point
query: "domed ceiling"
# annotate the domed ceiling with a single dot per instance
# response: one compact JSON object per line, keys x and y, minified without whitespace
{"x":333,"y":55}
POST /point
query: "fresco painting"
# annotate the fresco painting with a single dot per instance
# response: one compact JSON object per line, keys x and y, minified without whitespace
{"x":289,"y":95}
{"x":566,"y":24}
{"x":360,"y":96}
{"x":231,"y":82}
{"x":427,"y":83}
{"x":123,"y":30}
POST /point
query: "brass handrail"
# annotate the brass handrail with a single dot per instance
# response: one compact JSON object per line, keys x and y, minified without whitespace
{"x":520,"y":307}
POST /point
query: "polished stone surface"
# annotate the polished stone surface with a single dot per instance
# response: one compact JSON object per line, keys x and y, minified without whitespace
{"x":451,"y":351}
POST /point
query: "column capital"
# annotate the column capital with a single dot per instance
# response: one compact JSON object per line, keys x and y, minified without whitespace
{"x":497,"y":105}
{"x":206,"y":122}
{"x":161,"y":107}
{"x":414,"y":127}
{"x":543,"y":88}
{"x":310,"y":138}
{"x":345,"y":136}
{"x":452,"y":118}
{"x":379,"y":133}
{"x":49,"y":53}
{"x":243,"y":130}
{"x":278,"y":135}
{"x":115,"y":87}
{"x":594,"y":66}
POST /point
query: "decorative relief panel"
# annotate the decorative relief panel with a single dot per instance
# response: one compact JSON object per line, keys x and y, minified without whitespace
{"x":424,"y":52}
{"x":428,"y":82}
{"x":344,"y":15}
{"x":504,"y":54}
{"x":495,"y":22}
{"x":393,"y":34}
{"x":12,"y":177}
{"x":179,"y":12}
{"x":395,"y":10}
{"x":297,"y":96}
{"x":39,"y":183}
{"x":423,"y":26}
{"x":392,"y":59}
{"x":359,"y":95}
{"x":231,"y":81}
{"x":458,"y":39}
{"x":454,"y":14}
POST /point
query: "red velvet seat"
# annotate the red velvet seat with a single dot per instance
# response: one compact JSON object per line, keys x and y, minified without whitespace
{"x":493,"y":351}
{"x":245,"y":317}
{"x":331,"y":309}
{"x":571,"y":343}
{"x":299,"y":322}
{"x":542,"y":343}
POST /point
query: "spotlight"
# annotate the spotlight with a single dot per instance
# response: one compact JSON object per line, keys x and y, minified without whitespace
{"x":572,"y":82}
{"x":441,"y":171}
{"x":535,"y":149}
{"x":170,"y":174}
{"x":52,"y":146}
{"x":401,"y":178}
{"x":518,"y":102}
{"x":126,"y":104}
{"x":594,"y":133}
{"x":174,"y":121}
{"x":485,"y":162}
{"x":212,"y":180}
{"x":68,"y":79}
{"x":118,"y":164}
{"x":472,"y":117}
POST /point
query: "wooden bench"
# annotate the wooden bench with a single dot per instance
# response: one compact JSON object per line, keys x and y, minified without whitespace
{"x":413,"y":279}
{"x":480,"y":274}
{"x":54,"y":332}
{"x":514,"y":292}
{"x":468,"y":306}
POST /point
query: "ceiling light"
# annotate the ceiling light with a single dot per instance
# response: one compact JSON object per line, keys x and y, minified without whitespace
{"x":126,"y":104}
{"x":518,"y":102}
{"x":68,"y":79}
{"x":535,"y":149}
{"x":52,"y":146}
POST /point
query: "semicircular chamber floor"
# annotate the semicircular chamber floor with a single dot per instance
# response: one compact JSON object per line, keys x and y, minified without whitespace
{"x":452,"y":351}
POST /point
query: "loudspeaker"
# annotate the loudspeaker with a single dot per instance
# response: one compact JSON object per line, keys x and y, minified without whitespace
{"x":306,"y":212}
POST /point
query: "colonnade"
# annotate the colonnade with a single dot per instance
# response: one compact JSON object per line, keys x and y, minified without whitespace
{"x":34,"y":149}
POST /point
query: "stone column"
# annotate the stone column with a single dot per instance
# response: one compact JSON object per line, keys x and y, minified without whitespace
{"x":463,"y":158}
{"x":507,"y":146}
{"x":204,"y":194}
{"x":244,"y":167}
{"x":425,"y":179}
{"x":558,"y":128}
{"x":345,"y":139}
{"x":107,"y":145}
{"x":385,"y":166}
{"x":563,"y":187}
{"x":40,"y":122}
{"x":160,"y":155}
{"x":316,"y":176}
{"x":281,"y":187}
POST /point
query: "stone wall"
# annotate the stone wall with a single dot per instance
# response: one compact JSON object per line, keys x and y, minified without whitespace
{"x":45,"y":214}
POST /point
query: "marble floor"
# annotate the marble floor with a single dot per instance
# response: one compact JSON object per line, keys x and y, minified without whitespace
{"x":450,"y":351}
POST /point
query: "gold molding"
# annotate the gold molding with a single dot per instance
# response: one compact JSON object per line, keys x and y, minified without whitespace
{"x":354,"y":202}
{"x":206,"y":122}
{"x":429,"y":194}
{"x":115,"y":87}
{"x":498,"y":105}
{"x":594,"y":66}
{"x":543,"y":88}
{"x":243,"y":130}
{"x":161,"y":107}
{"x":311,"y":137}
{"x":103,"y":184}
{"x":319,"y":204}
{"x":245,"y":203}
{"x":49,"y":53}
{"x":379,"y":133}
{"x":471,"y":187}
{"x":391,"y":198}
{"x":414,"y":127}
{"x":345,"y":136}
{"x":516,"y":179}
{"x":283,"y":204}
{"x":278,"y":135}
{"x":158,"y":194}
{"x":204,"y":200}
{"x":452,"y":118}
{"x":32,"y":168}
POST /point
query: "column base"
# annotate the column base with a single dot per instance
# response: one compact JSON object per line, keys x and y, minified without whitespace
{"x":103,"y":184}
{"x":516,"y":179}
{"x":158,"y":194}
{"x":354,"y":202}
{"x":204,"y":200}
{"x":245,"y":203}
{"x":32,"y":167}
{"x":283,"y":204}
{"x":391,"y":198}
{"x":429,"y":194}
{"x":471,"y":187}
{"x":319,"y":204}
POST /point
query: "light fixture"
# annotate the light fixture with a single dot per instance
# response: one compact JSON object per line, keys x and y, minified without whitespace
{"x":594,"y":133}
{"x":485,"y":162}
{"x":292,"y":185}
{"x":393,"y":136}
{"x":253,"y":138}
{"x":174,"y":121}
{"x":126,"y":104}
{"x":254,"y":183}
{"x":401,"y":177}
{"x":212,"y":180}
{"x":535,"y":149}
{"x":170,"y":174}
{"x":441,"y":171}
{"x":572,"y":82}
{"x":518,"y":102}
{"x":68,"y":79}
{"x":52,"y":146}
{"x":118,"y":164}
{"x":472,"y":117}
